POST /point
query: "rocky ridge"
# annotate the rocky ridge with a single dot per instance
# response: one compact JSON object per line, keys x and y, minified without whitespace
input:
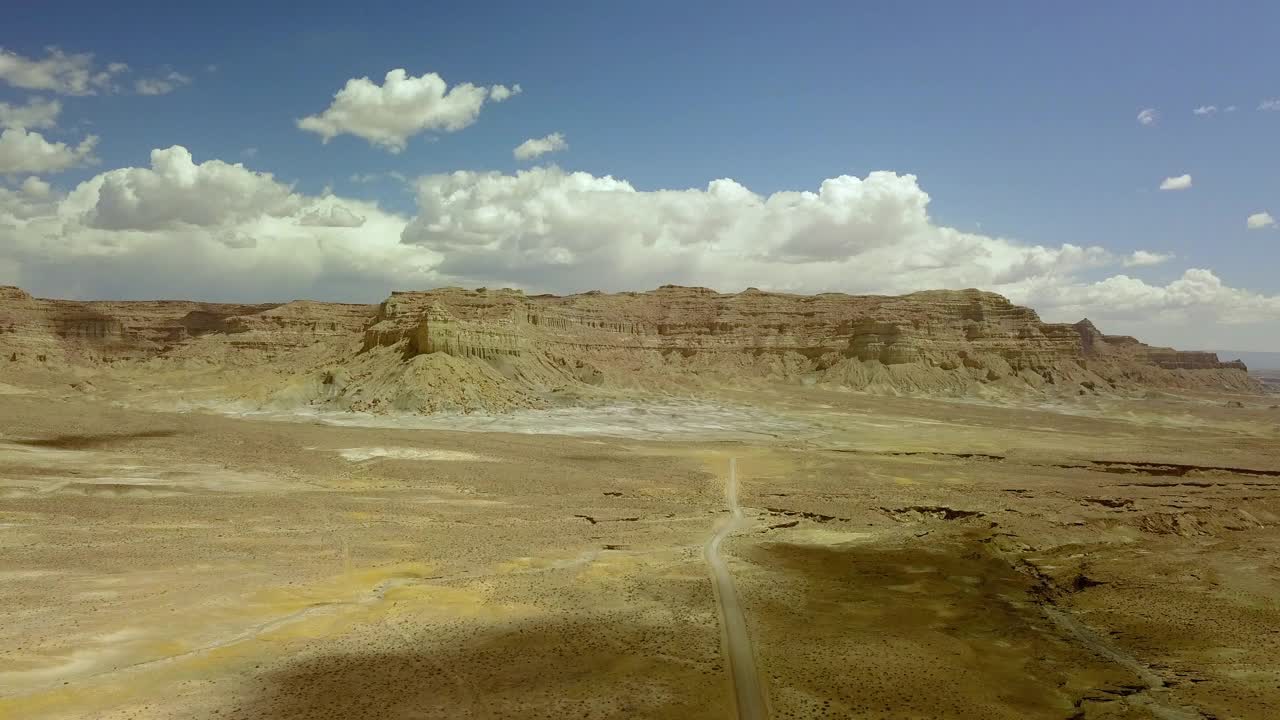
{"x":74,"y":331}
{"x":457,"y":349}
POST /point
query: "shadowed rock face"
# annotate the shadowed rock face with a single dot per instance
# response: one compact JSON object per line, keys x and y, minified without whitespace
{"x":934,"y":341}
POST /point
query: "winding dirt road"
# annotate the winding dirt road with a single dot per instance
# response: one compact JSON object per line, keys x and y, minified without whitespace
{"x":748,"y":693}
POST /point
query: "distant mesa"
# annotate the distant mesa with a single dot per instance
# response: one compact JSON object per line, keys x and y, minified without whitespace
{"x":463,"y":350}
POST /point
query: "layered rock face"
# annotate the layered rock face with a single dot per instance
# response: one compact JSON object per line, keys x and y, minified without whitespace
{"x":1095,"y":344}
{"x":891,"y":330}
{"x":74,"y":331}
{"x":938,"y":328}
{"x":521,"y":348}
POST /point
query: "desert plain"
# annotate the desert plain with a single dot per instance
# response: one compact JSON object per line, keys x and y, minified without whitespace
{"x":901,"y":551}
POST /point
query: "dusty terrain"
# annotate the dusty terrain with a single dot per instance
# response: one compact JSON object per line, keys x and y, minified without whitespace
{"x":901,"y":558}
{"x":199,"y":529}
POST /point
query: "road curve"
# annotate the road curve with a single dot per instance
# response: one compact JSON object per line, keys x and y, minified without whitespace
{"x":748,"y":695}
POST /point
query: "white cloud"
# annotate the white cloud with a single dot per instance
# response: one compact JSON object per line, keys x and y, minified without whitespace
{"x":332,"y":216}
{"x":36,"y":189}
{"x":219,"y":231}
{"x":175,"y":191}
{"x":1270,"y":105}
{"x":1198,"y":293}
{"x":537,"y":147}
{"x":1206,"y":110}
{"x":403,"y":106}
{"x":1142,"y":258}
{"x":29,"y":152}
{"x":162,"y":85}
{"x":236,"y":239}
{"x":1178,"y":182}
{"x":372,"y":177}
{"x":547,"y":229}
{"x":38,"y":113}
{"x":1229,"y":108}
{"x":58,"y":72}
{"x":1260,"y":220}
{"x":498,"y":93}
{"x":1148,"y":117}
{"x":34,"y":197}
{"x":207,"y":230}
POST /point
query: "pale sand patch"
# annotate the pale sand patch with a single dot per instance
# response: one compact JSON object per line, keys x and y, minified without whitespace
{"x":106,"y":473}
{"x":16,"y":575}
{"x":404,"y":453}
{"x":682,"y":421}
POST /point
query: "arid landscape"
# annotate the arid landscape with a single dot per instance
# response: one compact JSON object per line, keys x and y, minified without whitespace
{"x":669,"y":504}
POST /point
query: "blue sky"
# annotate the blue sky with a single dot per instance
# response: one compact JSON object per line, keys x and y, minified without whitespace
{"x":1018,"y":119}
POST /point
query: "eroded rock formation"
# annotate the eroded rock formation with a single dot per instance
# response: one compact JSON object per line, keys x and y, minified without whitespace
{"x":470,"y":349}
{"x":106,"y":331}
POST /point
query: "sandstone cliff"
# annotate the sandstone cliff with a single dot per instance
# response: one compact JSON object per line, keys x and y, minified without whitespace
{"x":106,"y":331}
{"x":456,"y":349}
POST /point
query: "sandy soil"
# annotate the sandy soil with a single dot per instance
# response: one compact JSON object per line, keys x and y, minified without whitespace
{"x":900,"y":558}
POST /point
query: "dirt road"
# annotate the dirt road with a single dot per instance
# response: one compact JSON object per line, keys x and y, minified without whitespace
{"x":749,"y":696}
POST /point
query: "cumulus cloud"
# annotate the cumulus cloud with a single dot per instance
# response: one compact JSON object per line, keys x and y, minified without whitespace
{"x":36,"y":188}
{"x":537,"y":147}
{"x":33,"y":197}
{"x":1148,"y":117}
{"x":175,"y":191}
{"x":545,"y":228}
{"x":206,"y":230}
{"x":1272,"y":105}
{"x":332,"y":216}
{"x":1141,"y":258}
{"x":373,"y":177}
{"x":162,"y":85}
{"x":1198,"y":293}
{"x":219,"y":231}
{"x":1260,"y":220}
{"x":37,"y":114}
{"x":29,"y":152}
{"x":59,"y":72}
{"x":236,"y":239}
{"x":498,"y":93}
{"x":1179,"y":182}
{"x":1206,"y":110}
{"x":388,"y":115}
